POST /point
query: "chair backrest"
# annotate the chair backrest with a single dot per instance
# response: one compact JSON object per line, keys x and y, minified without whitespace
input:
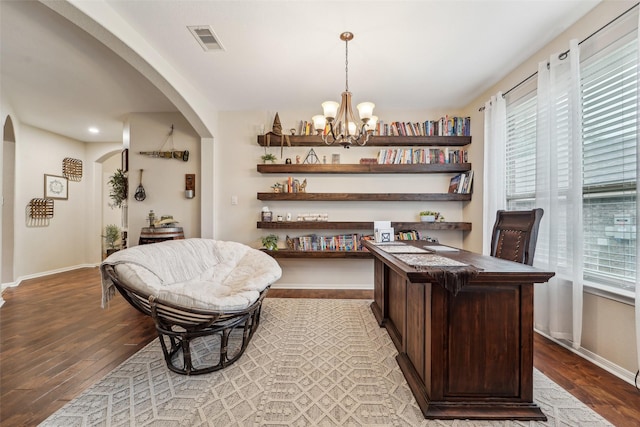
{"x":515,"y":234}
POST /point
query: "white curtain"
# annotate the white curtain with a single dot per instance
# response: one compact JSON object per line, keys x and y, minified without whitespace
{"x":494,"y":192}
{"x":637,"y":300}
{"x":558,"y":303}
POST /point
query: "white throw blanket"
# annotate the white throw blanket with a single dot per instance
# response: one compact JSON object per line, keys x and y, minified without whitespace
{"x":197,"y":273}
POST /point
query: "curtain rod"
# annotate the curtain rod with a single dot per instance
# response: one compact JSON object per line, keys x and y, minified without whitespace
{"x":564,"y":54}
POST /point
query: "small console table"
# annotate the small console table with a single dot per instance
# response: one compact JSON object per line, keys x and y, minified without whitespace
{"x":467,"y":355}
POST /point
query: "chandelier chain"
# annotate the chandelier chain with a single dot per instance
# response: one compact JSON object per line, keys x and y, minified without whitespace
{"x":346,"y":65}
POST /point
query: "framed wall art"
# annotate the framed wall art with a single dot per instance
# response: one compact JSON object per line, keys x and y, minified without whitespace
{"x":56,"y":187}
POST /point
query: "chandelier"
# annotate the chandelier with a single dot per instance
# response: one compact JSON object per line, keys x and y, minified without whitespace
{"x":344,"y":129}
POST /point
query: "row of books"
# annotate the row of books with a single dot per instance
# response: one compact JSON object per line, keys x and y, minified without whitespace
{"x":462,"y":183}
{"x":407,"y":235}
{"x":404,"y":156}
{"x":313,"y":242}
{"x":446,"y":126}
{"x":345,"y":242}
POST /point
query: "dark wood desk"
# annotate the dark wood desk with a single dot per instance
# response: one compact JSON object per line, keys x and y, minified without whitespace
{"x":465,"y":356}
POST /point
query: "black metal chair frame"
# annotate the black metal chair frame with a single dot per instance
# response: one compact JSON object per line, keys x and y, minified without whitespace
{"x":177,"y":326}
{"x":520,"y":225}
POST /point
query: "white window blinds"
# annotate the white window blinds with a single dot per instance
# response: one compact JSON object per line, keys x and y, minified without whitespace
{"x":609,"y":92}
{"x":521,"y":147}
{"x":609,"y":118}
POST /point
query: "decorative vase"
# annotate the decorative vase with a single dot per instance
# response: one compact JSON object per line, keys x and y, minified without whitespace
{"x":427,"y":218}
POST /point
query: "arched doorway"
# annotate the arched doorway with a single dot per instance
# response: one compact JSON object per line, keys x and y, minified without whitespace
{"x":8,"y":199}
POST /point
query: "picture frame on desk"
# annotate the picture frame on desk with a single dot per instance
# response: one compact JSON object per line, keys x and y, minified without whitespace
{"x":384,"y":235}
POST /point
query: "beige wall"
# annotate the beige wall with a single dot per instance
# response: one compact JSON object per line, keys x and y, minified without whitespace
{"x":162,"y":179}
{"x":62,"y":243}
{"x":608,"y":325}
{"x":237,"y":154}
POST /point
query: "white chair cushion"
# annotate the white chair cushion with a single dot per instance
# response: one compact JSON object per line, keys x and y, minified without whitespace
{"x":197,"y":273}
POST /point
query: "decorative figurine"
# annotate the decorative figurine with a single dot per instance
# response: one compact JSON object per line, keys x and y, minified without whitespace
{"x":278,"y":187}
{"x":277,"y":131}
{"x":312,"y":157}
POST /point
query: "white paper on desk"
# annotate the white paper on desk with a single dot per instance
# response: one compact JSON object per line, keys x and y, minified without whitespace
{"x":439,"y":248}
{"x":381,"y":225}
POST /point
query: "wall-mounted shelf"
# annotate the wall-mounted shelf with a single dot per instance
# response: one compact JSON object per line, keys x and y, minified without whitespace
{"x":366,"y":197}
{"x":374,"y":141}
{"x":361,"y":225}
{"x":286,"y":253}
{"x":366,"y":168}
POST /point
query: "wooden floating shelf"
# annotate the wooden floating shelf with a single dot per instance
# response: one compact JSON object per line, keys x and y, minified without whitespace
{"x":361,"y":225}
{"x":369,"y":197}
{"x":286,"y":253}
{"x":374,"y":141}
{"x":366,"y":168}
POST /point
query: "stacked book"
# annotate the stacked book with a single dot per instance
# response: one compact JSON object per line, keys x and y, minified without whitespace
{"x":408,"y":235}
{"x":404,"y":156}
{"x":445,"y":126}
{"x":462,"y":183}
{"x":313,"y":242}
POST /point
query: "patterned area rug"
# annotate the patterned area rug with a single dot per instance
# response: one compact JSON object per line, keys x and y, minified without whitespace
{"x":311,"y":363}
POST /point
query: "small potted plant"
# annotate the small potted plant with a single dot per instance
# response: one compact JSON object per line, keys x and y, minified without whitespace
{"x":111,"y":236}
{"x":268,"y":157}
{"x":270,"y":242}
{"x":429,"y":216}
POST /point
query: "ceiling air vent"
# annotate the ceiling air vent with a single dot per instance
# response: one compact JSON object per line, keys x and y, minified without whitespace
{"x":206,"y":37}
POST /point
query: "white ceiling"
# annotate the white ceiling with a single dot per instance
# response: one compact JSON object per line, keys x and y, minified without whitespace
{"x":278,"y":55}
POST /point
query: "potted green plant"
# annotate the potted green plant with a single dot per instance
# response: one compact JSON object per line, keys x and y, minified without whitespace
{"x":429,"y":216}
{"x":118,"y":192}
{"x":111,"y":236}
{"x":268,"y":157}
{"x":270,"y":242}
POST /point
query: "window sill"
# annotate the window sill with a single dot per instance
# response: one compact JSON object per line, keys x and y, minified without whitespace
{"x":609,"y":292}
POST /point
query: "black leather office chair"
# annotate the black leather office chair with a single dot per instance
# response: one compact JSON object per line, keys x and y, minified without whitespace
{"x":515,"y":234}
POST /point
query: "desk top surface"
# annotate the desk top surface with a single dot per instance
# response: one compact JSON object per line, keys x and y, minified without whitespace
{"x":490,"y":268}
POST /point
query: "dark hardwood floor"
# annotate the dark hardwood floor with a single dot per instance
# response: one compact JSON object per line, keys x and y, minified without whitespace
{"x":55,"y":341}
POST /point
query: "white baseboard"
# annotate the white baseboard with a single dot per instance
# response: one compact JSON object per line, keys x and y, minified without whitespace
{"x":339,"y":286}
{"x":596,"y":359}
{"x":42,"y":274}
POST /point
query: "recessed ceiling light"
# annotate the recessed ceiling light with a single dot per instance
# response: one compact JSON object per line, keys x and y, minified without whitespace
{"x":94,"y":129}
{"x":206,"y":37}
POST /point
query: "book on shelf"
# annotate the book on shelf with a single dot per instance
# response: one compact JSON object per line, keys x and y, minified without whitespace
{"x":408,"y":235}
{"x":314,"y":242}
{"x":445,"y":126}
{"x":462,"y":183}
{"x":421,"y":156}
{"x":454,"y":183}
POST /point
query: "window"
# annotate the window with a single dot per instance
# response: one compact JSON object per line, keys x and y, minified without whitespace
{"x":521,"y":148}
{"x":609,"y":136}
{"x":609,"y":103}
